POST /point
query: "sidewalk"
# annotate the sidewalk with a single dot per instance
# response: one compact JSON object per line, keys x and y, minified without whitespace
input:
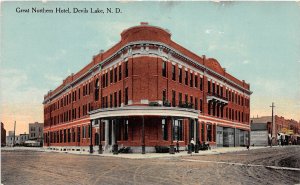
{"x":220,"y":150}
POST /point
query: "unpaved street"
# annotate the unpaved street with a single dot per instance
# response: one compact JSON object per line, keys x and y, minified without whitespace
{"x":247,"y":167}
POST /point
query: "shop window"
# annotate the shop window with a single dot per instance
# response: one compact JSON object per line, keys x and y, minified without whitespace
{"x":209,"y":132}
{"x":164,"y":130}
{"x":178,"y":130}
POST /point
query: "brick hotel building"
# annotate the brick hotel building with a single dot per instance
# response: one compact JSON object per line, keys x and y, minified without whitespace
{"x":147,"y":91}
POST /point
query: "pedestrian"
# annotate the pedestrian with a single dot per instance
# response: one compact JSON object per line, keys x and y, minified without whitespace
{"x":193,"y":144}
{"x":177,"y":146}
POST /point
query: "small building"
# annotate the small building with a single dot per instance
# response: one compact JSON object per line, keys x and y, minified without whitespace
{"x":10,"y":138}
{"x":36,"y":132}
{"x":259,"y":134}
{"x":3,"y":135}
{"x":23,"y":138}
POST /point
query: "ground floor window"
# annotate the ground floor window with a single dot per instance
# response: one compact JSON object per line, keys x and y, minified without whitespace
{"x":178,"y":130}
{"x":209,"y":131}
{"x":164,"y":130}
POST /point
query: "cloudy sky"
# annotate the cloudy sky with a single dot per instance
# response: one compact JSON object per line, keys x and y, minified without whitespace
{"x":255,"y":41}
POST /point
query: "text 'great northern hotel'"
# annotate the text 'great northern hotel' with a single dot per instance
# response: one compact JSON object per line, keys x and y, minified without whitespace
{"x":147,"y":91}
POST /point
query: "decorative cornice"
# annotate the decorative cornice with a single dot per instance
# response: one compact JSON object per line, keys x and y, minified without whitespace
{"x":161,"y":46}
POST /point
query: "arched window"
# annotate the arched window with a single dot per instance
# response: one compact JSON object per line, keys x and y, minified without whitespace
{"x":96,"y":90}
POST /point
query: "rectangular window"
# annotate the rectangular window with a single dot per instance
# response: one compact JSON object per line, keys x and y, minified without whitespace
{"x":218,"y":89}
{"x":201,"y":105}
{"x":180,"y":98}
{"x":164,"y":69}
{"x":126,"y":69}
{"x":178,"y":130}
{"x":191,"y":100}
{"x":120,"y":98}
{"x":196,"y":81}
{"x":186,"y":98}
{"x":191,"y":80}
{"x":186,"y":78}
{"x":213,"y":88}
{"x":164,"y":129}
{"x":173,"y":72}
{"x":120,"y":72}
{"x":164,"y":95}
{"x":83,"y":132}
{"x":115,"y":75}
{"x":208,"y":86}
{"x":111,"y":76}
{"x":173,"y":98}
{"x":126,"y":96}
{"x":110,"y":100}
{"x":106,"y":79}
{"x":115,"y":100}
{"x":201,"y":84}
{"x":221,"y":92}
{"x":180,"y":75}
{"x":196,"y":103}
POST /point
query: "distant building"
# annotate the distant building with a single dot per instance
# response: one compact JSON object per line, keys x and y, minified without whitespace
{"x":23,"y":137}
{"x":261,"y":129}
{"x":36,"y":131}
{"x":10,"y":138}
{"x":3,"y":135}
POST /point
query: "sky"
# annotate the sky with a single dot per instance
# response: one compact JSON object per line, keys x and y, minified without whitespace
{"x":255,"y":41}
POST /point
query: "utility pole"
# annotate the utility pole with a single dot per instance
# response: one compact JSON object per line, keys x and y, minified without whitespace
{"x":273,"y":126}
{"x":14,"y":134}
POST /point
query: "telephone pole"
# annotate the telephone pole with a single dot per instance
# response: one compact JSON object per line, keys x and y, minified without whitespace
{"x":273,"y":126}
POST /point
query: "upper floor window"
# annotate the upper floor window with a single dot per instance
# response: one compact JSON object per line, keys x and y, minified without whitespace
{"x":173,"y":73}
{"x":208,"y":86}
{"x":201,"y":84}
{"x":120,"y":72}
{"x":96,"y":93}
{"x":186,"y":78}
{"x":191,"y":80}
{"x":180,"y":75}
{"x":126,"y":69}
{"x":173,"y":98}
{"x":111,"y":76}
{"x":116,"y":75}
{"x":164,"y":68}
{"x":196,"y":81}
{"x":126,"y":96}
{"x":164,"y":95}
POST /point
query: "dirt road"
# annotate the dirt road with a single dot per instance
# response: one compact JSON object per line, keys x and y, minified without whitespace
{"x":247,"y":167}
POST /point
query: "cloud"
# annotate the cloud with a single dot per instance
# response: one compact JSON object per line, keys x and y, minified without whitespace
{"x":245,"y":62}
{"x":55,"y":80}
